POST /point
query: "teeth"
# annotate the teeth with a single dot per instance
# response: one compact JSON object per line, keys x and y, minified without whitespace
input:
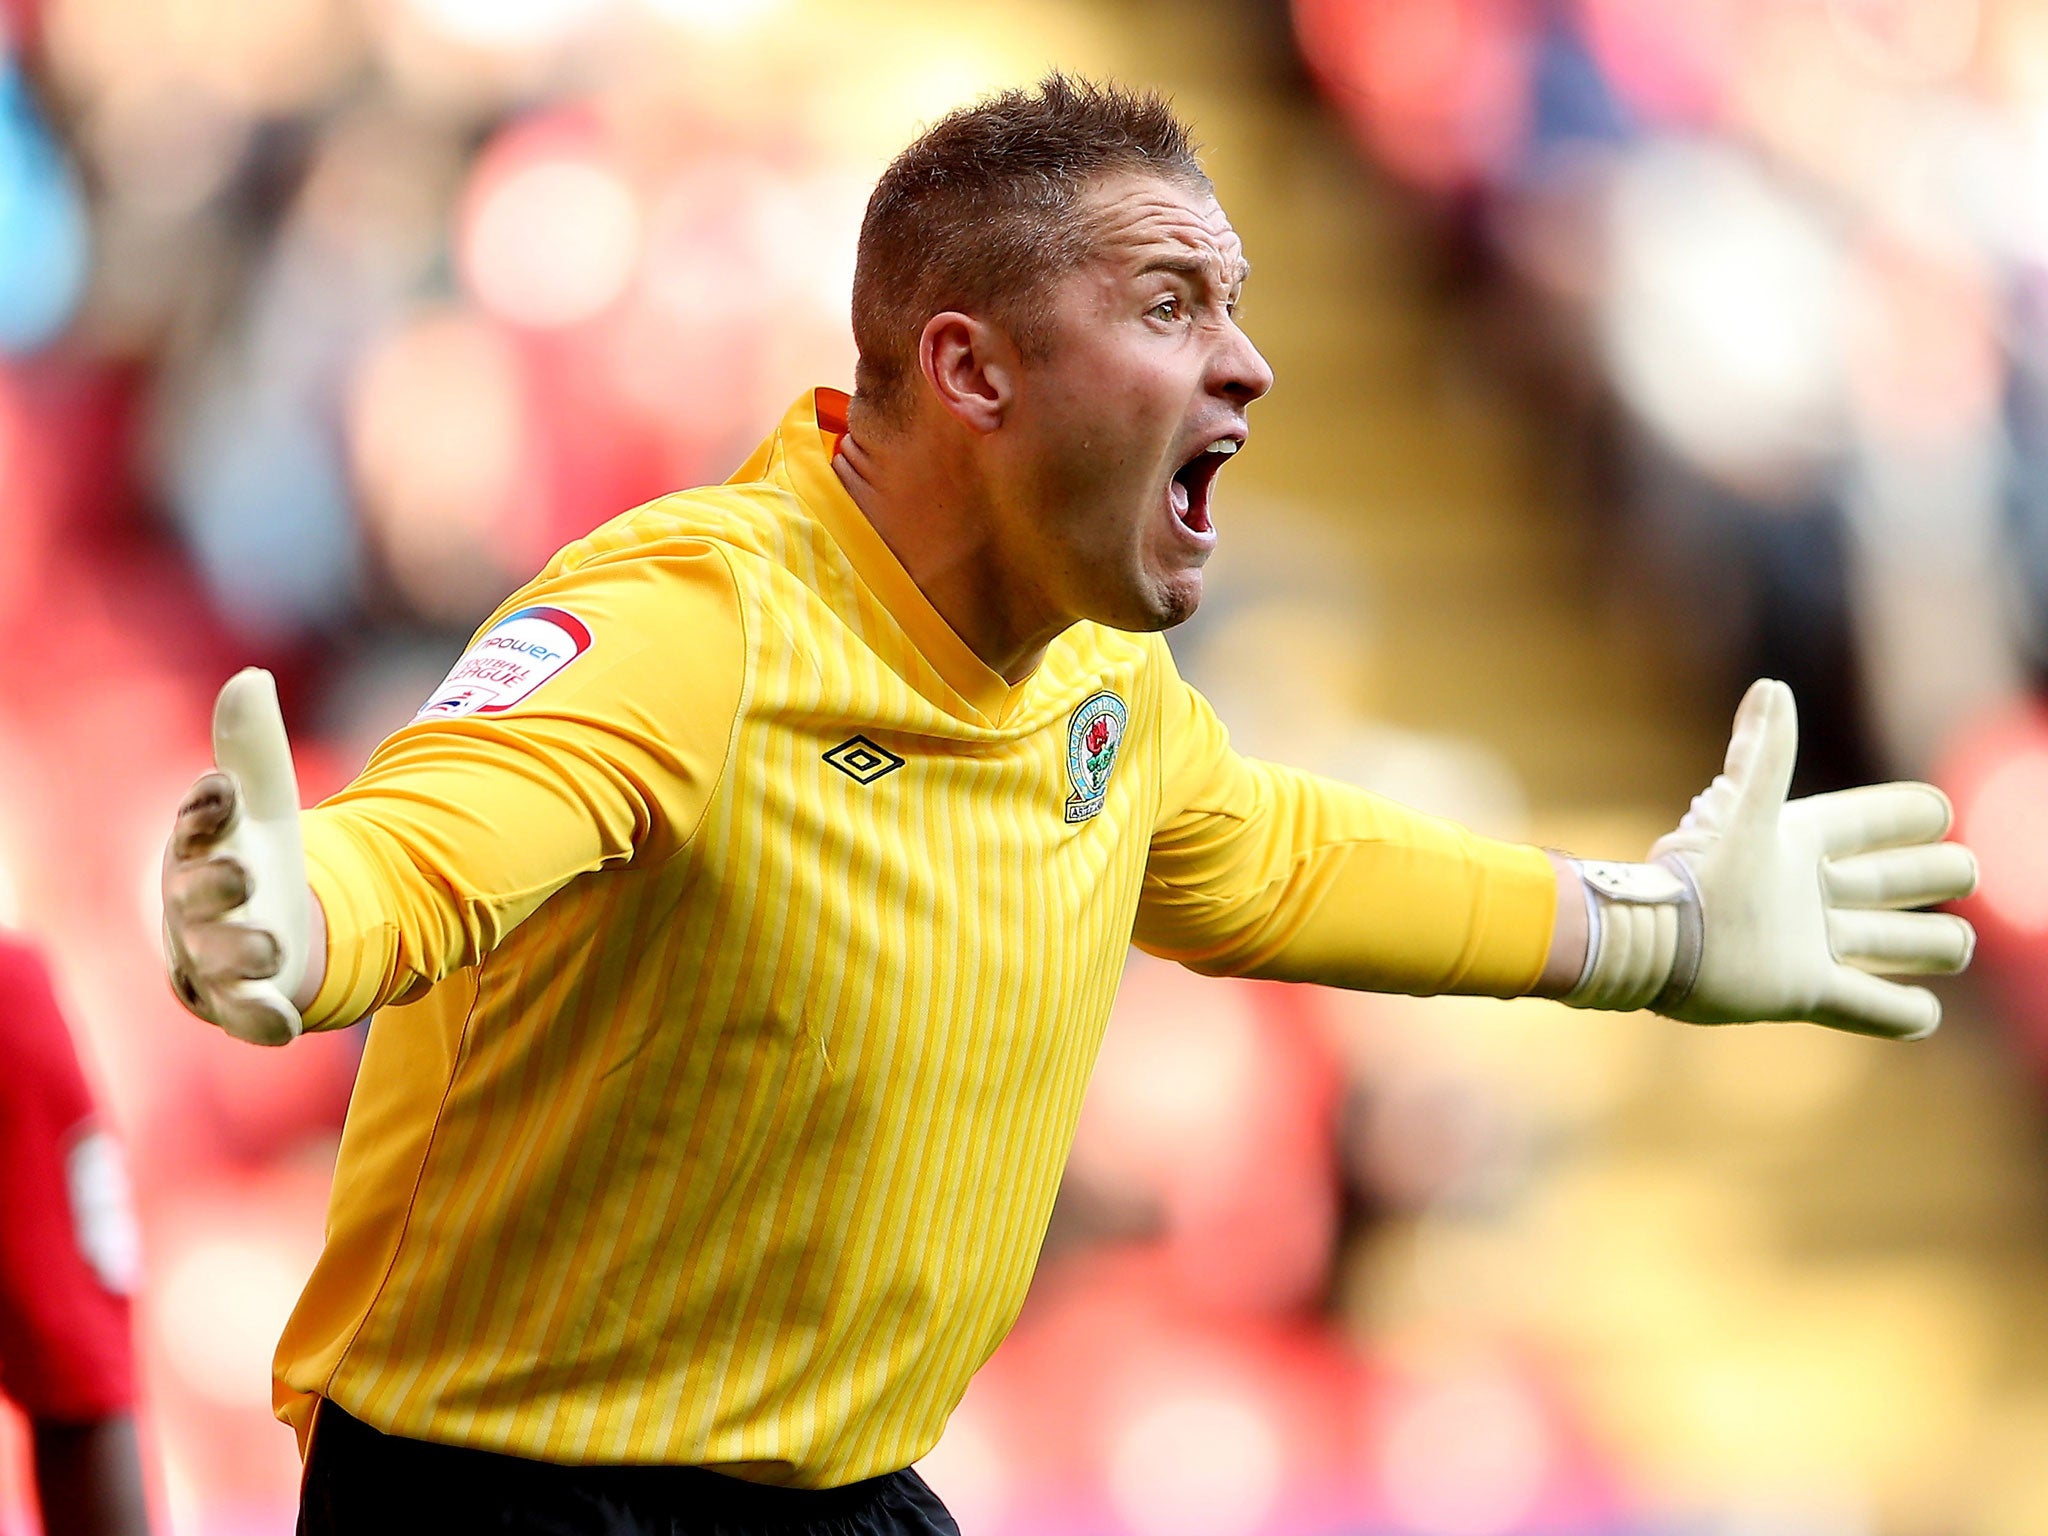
{"x":1224,"y":445}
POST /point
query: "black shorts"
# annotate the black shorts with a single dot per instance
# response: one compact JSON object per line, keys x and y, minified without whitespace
{"x":362,"y":1482}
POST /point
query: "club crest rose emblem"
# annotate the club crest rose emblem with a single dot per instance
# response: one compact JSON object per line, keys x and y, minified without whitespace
{"x":1094,"y":735}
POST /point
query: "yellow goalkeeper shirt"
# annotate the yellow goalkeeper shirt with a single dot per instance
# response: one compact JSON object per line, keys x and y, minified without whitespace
{"x":743,"y":945}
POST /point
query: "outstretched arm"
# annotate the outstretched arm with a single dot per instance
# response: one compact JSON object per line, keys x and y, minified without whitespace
{"x":464,"y":822}
{"x":1755,"y":908}
{"x":1261,"y":870}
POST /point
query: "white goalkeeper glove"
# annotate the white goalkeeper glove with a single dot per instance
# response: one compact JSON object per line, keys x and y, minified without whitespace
{"x":1758,"y":908}
{"x":234,"y":876}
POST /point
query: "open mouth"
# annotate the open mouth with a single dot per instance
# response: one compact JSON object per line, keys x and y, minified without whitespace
{"x":1188,"y":491}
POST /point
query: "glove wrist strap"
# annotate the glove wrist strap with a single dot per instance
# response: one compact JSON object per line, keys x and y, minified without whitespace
{"x":1642,"y":935}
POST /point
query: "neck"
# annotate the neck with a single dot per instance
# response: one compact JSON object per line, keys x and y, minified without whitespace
{"x":939,"y":528}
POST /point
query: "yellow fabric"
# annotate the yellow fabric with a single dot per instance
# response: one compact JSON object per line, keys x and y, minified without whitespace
{"x":728,"y":1095}
{"x":1259,"y":870}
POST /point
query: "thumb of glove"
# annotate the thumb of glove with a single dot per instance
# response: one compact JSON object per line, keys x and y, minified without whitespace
{"x":251,"y":747}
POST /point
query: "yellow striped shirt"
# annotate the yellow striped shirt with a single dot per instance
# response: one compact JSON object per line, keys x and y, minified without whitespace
{"x":740,"y":981}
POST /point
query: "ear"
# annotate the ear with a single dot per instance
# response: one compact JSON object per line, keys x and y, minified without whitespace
{"x":971,"y":366}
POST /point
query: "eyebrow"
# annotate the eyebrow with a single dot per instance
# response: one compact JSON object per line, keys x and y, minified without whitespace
{"x":1193,"y":267}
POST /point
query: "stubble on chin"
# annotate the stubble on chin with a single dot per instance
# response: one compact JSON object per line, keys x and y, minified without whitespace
{"x":1169,"y":603}
{"x":1179,"y":605}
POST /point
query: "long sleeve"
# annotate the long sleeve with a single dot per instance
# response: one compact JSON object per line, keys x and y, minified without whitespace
{"x":459,"y":827}
{"x":1259,"y":870}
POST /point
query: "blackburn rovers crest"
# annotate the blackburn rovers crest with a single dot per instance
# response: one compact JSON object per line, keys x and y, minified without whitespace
{"x":1094,"y":736}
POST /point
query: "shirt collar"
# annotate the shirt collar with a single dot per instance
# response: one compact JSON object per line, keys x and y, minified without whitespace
{"x":808,"y":439}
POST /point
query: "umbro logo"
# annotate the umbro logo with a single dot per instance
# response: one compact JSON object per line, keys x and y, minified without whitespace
{"x":862,"y":761}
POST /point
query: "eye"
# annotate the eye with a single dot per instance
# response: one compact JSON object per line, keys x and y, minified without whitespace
{"x":1166,"y":309}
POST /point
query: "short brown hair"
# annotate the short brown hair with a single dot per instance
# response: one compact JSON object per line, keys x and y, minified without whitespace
{"x":982,"y":214}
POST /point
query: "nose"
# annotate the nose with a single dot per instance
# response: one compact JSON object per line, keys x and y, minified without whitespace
{"x":1243,"y":374}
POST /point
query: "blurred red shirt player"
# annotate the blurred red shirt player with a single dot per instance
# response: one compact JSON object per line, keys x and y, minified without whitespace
{"x":67,"y":1263}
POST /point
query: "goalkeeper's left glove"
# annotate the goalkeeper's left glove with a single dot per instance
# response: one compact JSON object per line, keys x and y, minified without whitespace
{"x":1758,"y":908}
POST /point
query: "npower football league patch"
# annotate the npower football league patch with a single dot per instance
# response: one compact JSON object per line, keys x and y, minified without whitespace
{"x":508,"y":661}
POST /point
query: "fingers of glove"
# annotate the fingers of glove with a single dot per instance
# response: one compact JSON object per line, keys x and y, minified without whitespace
{"x":1852,"y":821}
{"x":227,"y":952}
{"x":177,"y":962}
{"x":1901,"y":877}
{"x":1911,"y":943}
{"x":249,"y":741}
{"x":196,"y":893}
{"x":1864,"y":1004}
{"x":1761,"y":755}
{"x":186,"y":990}
{"x":205,"y":816}
{"x":257,"y":1014}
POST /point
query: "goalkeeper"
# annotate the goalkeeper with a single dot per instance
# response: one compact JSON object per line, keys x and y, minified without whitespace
{"x":742,"y":915}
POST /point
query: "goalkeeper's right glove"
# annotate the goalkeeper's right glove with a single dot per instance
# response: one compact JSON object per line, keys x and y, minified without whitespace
{"x":236,"y":905}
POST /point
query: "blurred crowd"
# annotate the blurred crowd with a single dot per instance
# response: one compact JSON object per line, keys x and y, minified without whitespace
{"x":323,"y":322}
